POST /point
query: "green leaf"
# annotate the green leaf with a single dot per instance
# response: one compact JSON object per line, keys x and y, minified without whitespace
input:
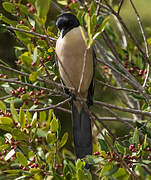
{"x":63,"y":140}
{"x":120,"y":148}
{"x":35,"y":55}
{"x":14,"y":172}
{"x":81,"y":175}
{"x":41,"y":133}
{"x":103,"y":145}
{"x":13,"y":111}
{"x":120,"y":173}
{"x":34,"y":120}
{"x":2,"y":107}
{"x":106,"y":168}
{"x":10,"y":154}
{"x":26,"y":59}
{"x":42,"y":7}
{"x":62,"y":2}
{"x":8,"y":21}
{"x":9,"y":7}
{"x":145,"y":141}
{"x":5,"y":146}
{"x":51,"y":138}
{"x":111,"y":171}
{"x":6,"y":120}
{"x":140,"y":62}
{"x":23,"y":9}
{"x":92,"y":8}
{"x":21,"y":159}
{"x":43,"y":116}
{"x":80,"y":164}
{"x":54,"y":125}
{"x":135,"y":138}
{"x":22,"y":118}
{"x":33,"y":76}
{"x":19,"y":135}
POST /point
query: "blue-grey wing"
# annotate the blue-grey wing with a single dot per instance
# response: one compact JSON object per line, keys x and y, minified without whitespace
{"x":92,"y":85}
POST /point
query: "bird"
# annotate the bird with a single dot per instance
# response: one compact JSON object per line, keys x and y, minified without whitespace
{"x":70,"y":50}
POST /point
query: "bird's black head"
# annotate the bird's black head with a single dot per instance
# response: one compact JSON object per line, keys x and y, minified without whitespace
{"x":66,"y":22}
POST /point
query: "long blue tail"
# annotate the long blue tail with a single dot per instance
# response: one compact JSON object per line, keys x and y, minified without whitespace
{"x":82,"y":132}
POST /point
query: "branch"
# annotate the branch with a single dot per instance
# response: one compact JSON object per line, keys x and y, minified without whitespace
{"x":30,"y":32}
{"x":145,"y":41}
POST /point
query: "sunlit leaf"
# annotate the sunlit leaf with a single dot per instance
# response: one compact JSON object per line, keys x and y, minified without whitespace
{"x":42,"y":7}
{"x":22,"y":118}
{"x":21,"y":159}
{"x":2,"y":107}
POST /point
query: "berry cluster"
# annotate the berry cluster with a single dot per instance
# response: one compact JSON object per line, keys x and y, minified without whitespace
{"x":3,"y":76}
{"x":7,"y":114}
{"x":134,"y":156}
{"x":32,"y":96}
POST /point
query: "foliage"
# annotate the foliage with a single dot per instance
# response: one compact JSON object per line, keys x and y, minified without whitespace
{"x":31,"y":144}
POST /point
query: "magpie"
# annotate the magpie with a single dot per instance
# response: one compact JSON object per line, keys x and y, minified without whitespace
{"x":76,"y":65}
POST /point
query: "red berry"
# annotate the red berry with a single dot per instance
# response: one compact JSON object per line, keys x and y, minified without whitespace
{"x":12,"y":91}
{"x":139,"y":157}
{"x":7,"y":142}
{"x":1,"y":75}
{"x":12,"y":147}
{"x":148,"y":149}
{"x":31,"y":10}
{"x":126,"y":56}
{"x":33,"y":63}
{"x":23,"y":89}
{"x":86,"y":26}
{"x":20,"y":166}
{"x":19,"y":61}
{"x":28,"y":126}
{"x":28,"y":5}
{"x":24,"y":168}
{"x":140,"y":72}
{"x":9,"y":114}
{"x":36,"y":101}
{"x":42,"y":91}
{"x":38,"y":93}
{"x":31,"y":93}
{"x":21,"y":22}
{"x":108,"y":153}
{"x":131,"y":70}
{"x":11,"y":1}
{"x":5,"y":77}
{"x":105,"y":67}
{"x":18,"y":14}
{"x":33,"y":159}
{"x":15,"y":123}
{"x":96,"y":153}
{"x":29,"y":163}
{"x":109,"y":160}
{"x":33,"y":29}
{"x":48,"y":57}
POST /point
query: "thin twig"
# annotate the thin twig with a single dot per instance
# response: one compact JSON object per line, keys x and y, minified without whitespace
{"x":120,"y":6}
{"x":117,"y":88}
{"x":30,"y":32}
{"x":145,"y":41}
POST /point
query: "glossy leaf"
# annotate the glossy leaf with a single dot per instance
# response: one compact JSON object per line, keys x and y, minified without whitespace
{"x":13,"y":111}
{"x":103,"y":145}
{"x":63,"y":140}
{"x":9,"y":7}
{"x":6,"y":120}
{"x":8,"y":21}
{"x":43,"y":116}
{"x":21,"y":159}
{"x":33,"y":76}
{"x":54,"y":125}
{"x":2,"y":107}
{"x":51,"y":138}
{"x":42,"y":7}
{"x":62,"y":2}
{"x":22,"y":118}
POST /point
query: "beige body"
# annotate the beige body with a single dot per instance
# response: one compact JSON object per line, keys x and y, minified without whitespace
{"x":70,"y":52}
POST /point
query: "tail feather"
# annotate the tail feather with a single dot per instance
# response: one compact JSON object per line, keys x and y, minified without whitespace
{"x":82,"y":132}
